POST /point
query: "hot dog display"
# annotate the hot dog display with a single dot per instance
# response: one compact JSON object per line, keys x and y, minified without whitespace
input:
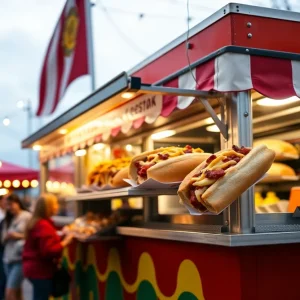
{"x":279,"y":172}
{"x":105,"y":173}
{"x":224,"y":176}
{"x":117,"y":180}
{"x":92,"y":223}
{"x":283,"y":150}
{"x":279,"y":169}
{"x":168,"y":164}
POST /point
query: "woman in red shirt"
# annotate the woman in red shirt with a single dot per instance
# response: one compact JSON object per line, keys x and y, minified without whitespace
{"x":43,"y":247}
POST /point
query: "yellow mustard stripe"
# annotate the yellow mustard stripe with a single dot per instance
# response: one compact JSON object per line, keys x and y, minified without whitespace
{"x":188,"y":277}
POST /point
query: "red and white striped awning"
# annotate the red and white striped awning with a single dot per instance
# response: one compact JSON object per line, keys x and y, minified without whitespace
{"x":275,"y":78}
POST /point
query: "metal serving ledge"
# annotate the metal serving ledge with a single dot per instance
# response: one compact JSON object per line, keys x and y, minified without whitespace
{"x":121,"y":193}
{"x":222,"y":239}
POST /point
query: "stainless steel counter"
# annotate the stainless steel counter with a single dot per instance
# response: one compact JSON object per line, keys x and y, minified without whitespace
{"x":270,"y":228}
{"x":222,"y":239}
{"x":62,"y":221}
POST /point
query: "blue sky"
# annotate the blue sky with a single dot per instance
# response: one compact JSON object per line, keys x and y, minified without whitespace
{"x":121,"y":40}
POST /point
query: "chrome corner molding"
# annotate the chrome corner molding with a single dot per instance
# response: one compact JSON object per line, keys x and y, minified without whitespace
{"x":230,"y":8}
{"x":220,"y":239}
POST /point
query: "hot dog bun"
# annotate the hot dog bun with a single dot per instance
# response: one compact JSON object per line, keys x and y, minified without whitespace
{"x":237,"y":179}
{"x":106,"y":171}
{"x":170,"y":170}
{"x":279,"y":172}
{"x":118,"y":181}
{"x":176,"y":168}
{"x":283,"y":150}
{"x":132,"y":169}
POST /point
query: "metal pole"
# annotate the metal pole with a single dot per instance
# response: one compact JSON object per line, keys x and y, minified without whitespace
{"x":90,"y":45}
{"x":238,"y":114}
{"x":44,"y":175}
{"x":28,"y":109}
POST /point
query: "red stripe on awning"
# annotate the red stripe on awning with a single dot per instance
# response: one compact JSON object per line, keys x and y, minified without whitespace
{"x":169,"y":101}
{"x":138,"y":123}
{"x":272,"y":77}
{"x":205,"y":76}
{"x":115,"y":131}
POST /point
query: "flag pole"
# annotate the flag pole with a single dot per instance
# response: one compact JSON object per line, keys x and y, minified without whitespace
{"x":88,"y":6}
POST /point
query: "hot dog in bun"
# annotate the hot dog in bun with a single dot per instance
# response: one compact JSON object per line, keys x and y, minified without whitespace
{"x":224,"y":176}
{"x":117,"y":180}
{"x":168,"y":164}
{"x":105,"y":173}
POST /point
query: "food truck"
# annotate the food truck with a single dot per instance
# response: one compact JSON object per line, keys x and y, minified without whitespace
{"x":234,"y":80}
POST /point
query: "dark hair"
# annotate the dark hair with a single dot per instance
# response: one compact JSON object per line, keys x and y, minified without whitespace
{"x":15,"y":199}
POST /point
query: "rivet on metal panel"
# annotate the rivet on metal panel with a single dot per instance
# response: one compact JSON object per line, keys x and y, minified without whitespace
{"x":189,"y":46}
{"x":246,"y":114}
{"x":249,"y":24}
{"x":237,"y":8}
{"x":249,"y":35}
{"x":247,"y":50}
{"x":224,"y":11}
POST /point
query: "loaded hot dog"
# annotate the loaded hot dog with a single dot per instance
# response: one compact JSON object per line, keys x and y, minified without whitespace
{"x":224,"y":176}
{"x":168,"y":164}
{"x":106,"y":172}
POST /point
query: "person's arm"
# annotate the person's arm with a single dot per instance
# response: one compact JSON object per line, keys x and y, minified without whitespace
{"x":4,"y":235}
{"x":18,"y":233}
{"x":50,"y":244}
{"x":3,"y":232}
{"x":13,"y":235}
{"x":67,"y":240}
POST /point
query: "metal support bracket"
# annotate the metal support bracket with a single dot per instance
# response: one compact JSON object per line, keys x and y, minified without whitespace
{"x":296,"y":213}
{"x":222,"y":126}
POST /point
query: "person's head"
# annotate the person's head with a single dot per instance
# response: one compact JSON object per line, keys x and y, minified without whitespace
{"x":2,"y":202}
{"x":14,"y":204}
{"x":46,"y":206}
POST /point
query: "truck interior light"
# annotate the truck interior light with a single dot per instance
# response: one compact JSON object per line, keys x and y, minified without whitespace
{"x":162,"y":134}
{"x":273,"y":102}
{"x":127,"y":95}
{"x":99,"y":146}
{"x":210,"y":120}
{"x":213,"y":128}
{"x":37,"y":147}
{"x":128,"y":148}
{"x":81,"y":152}
{"x":63,"y":131}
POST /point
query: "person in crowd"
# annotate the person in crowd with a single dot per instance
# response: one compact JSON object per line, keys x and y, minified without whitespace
{"x":43,"y":247}
{"x":13,"y":230}
{"x":2,"y":207}
{"x":2,"y":273}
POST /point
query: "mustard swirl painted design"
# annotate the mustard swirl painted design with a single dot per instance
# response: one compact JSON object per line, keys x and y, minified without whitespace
{"x":188,"y":277}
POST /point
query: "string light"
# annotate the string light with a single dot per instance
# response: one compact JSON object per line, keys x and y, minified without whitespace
{"x":25,"y":184}
{"x":7,"y":184}
{"x":34,"y":183}
{"x":6,"y":121}
{"x":16,"y":183}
